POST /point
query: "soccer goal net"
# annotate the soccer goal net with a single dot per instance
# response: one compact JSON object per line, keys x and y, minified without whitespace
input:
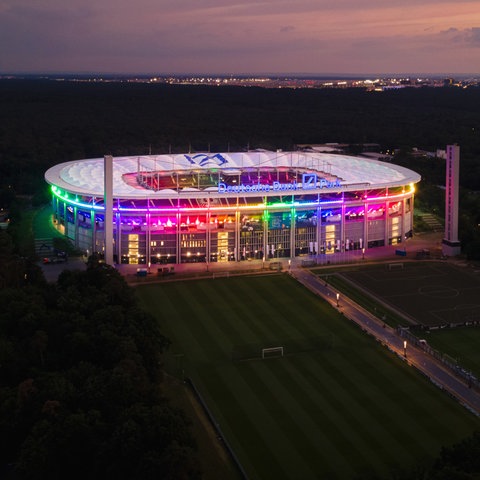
{"x":272,"y":352}
{"x":395,"y":266}
{"x":292,"y":346}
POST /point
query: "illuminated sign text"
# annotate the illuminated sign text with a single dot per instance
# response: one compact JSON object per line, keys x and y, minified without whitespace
{"x":308,"y":184}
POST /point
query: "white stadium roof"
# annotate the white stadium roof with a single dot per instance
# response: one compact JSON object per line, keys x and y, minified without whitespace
{"x":85,"y":177}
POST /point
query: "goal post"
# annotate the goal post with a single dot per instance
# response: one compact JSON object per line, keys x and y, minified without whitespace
{"x":395,"y":266}
{"x":271,"y":352}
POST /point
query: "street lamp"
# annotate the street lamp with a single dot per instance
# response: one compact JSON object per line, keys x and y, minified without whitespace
{"x":338,"y":300}
{"x":405,"y":348}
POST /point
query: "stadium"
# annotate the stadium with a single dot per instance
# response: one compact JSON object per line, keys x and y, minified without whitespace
{"x":227,"y":207}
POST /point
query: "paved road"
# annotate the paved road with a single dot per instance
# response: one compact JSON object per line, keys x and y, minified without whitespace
{"x":425,"y":363}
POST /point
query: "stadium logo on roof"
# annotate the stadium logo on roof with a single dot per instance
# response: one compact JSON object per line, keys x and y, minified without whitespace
{"x":202,"y":159}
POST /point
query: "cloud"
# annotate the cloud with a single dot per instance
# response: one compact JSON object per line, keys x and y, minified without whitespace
{"x":475,"y":36}
{"x":244,"y":35}
{"x":466,"y":37}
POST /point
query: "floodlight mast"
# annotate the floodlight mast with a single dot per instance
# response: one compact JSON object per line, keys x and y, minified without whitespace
{"x":108,"y":204}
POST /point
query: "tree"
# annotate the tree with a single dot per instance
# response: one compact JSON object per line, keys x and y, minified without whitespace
{"x":81,"y":394}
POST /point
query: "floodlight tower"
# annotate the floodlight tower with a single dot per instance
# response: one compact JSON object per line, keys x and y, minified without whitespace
{"x":108,"y":204}
{"x":450,"y":243}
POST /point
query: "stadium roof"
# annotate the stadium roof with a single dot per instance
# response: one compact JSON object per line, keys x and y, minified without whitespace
{"x":85,"y":177}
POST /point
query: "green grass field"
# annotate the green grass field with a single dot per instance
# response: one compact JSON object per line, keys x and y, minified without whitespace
{"x":432,"y":293}
{"x":349,"y":409}
{"x":461,"y":344}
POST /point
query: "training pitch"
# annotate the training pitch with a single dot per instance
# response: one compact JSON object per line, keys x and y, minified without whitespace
{"x":340,"y":407}
{"x":432,"y":294}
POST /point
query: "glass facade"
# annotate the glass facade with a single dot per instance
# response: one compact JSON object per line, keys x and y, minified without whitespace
{"x":219,"y":233}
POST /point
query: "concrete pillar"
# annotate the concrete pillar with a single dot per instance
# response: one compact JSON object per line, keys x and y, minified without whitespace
{"x":108,"y":204}
{"x":450,"y":243}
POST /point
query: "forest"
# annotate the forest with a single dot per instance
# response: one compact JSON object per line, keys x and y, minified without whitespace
{"x":81,"y":391}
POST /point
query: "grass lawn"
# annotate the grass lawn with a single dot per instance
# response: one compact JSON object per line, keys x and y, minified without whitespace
{"x":215,"y":461}
{"x":348,"y":410}
{"x":433,"y":293}
{"x":459,"y":343}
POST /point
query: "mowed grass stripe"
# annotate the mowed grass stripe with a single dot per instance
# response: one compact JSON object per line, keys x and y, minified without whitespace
{"x":338,"y":413}
{"x":299,"y":313}
{"x":156,"y":300}
{"x":419,"y":397}
{"x":250,"y":426}
{"x":257,"y":324}
{"x":264,"y":297}
{"x":415,"y":398}
{"x":352,"y":418}
{"x":205,"y":326}
{"x":362,"y":392}
{"x":298,"y":404}
{"x":412,"y":393}
{"x":459,"y":343}
{"x":186,"y":320}
{"x":374,"y":413}
{"x":281,"y":319}
{"x":275,"y":390}
{"x":242,"y":320}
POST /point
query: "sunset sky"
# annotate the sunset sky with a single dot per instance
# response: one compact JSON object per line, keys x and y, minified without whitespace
{"x":240,"y":36}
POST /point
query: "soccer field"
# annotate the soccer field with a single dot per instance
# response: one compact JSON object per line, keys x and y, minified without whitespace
{"x":431,"y":293}
{"x":347,"y":409}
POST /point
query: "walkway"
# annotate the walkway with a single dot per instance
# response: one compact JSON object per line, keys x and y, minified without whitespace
{"x":430,"y":367}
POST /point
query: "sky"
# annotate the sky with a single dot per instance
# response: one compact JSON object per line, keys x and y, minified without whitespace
{"x":231,"y":37}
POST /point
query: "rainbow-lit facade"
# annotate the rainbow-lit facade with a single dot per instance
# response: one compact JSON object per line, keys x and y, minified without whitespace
{"x":221,"y":207}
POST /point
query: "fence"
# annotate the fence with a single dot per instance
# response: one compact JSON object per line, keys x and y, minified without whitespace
{"x":451,"y":363}
{"x":216,"y":427}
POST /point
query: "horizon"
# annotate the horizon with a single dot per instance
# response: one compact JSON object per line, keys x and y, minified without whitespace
{"x":299,"y":75}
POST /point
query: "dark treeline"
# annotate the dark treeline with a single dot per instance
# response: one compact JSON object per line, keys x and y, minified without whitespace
{"x":43,"y":123}
{"x":81,"y":391}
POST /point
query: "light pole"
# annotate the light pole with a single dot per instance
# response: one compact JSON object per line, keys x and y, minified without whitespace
{"x":405,"y":348}
{"x":338,"y":300}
